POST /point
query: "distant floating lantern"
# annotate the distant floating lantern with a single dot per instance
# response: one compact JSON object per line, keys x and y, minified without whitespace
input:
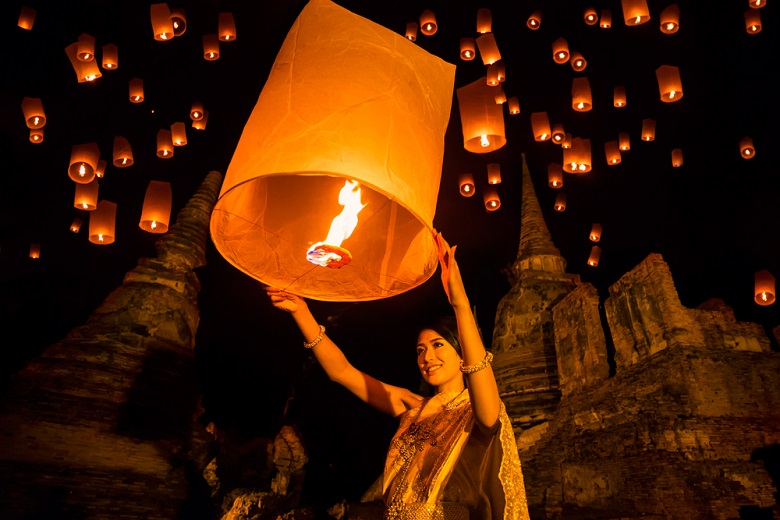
{"x":619,"y":96}
{"x":164,"y":144}
{"x":595,"y":233}
{"x":540,"y":126}
{"x":162,"y":26}
{"x":669,"y":83}
{"x":764,"y":288}
{"x":560,"y":51}
{"x":500,"y":95}
{"x":411,"y":34}
{"x":85,"y":50}
{"x":606,"y":19}
{"x":36,"y":135}
{"x":466,"y":184}
{"x":558,"y":134}
{"x":156,"y":211}
{"x":376,"y":130}
{"x":595,"y":255}
{"x":753,"y":21}
{"x":591,"y":16}
{"x":484,"y":20}
{"x":200,"y":124}
{"x":35,"y":251}
{"x":566,"y":143}
{"x":670,"y":19}
{"x":648,"y":130}
{"x":560,"y":203}
{"x":123,"y":153}
{"x":612,"y":152}
{"x":136,"y":87}
{"x":482,"y":120}
{"x":226,"y":27}
{"x":75,"y":226}
{"x":488,"y":48}
{"x":34,"y":116}
{"x":677,"y":158}
{"x":428,"y":23}
{"x":210,"y":47}
{"x":535,"y":20}
{"x":83,"y":162}
{"x":26,"y":18}
{"x":100,"y":171}
{"x":581,"y":97}
{"x":178,"y":19}
{"x":500,"y":70}
{"x":624,"y":141}
{"x":86,"y":71}
{"x":196,"y":110}
{"x":179,"y":134}
{"x":578,"y":61}
{"x":491,"y":199}
{"x":746,"y":148}
{"x":635,"y":12}
{"x":467,"y":49}
{"x":102,"y":223}
{"x":86,"y":197}
{"x":494,"y":173}
{"x":514,"y":105}
{"x":577,"y":159}
{"x":555,"y":175}
{"x":110,"y":57}
{"x":491,"y":76}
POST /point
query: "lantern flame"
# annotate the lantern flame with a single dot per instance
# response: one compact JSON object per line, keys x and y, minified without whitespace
{"x":82,"y":171}
{"x":153,"y":225}
{"x":100,"y":237}
{"x":669,"y":26}
{"x":638,"y":19}
{"x":175,"y":25}
{"x":87,"y":56}
{"x":35,"y":121}
{"x":91,"y":77}
{"x":672,"y":94}
{"x":329,"y":252}
{"x":543,"y":137}
{"x":164,"y":36}
{"x":483,"y":140}
{"x":84,"y":205}
{"x":581,"y":105}
{"x":764,"y":296}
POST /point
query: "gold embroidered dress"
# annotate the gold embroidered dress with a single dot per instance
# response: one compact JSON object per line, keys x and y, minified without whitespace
{"x":443,"y":466}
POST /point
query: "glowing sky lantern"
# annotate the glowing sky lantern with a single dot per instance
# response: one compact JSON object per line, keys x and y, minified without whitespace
{"x":670,"y":19}
{"x":200,"y":124}
{"x":428,"y":24}
{"x":136,"y":90}
{"x":540,"y":126}
{"x":75,"y":226}
{"x":484,"y":20}
{"x":560,"y":51}
{"x":467,"y":49}
{"x":753,"y":21}
{"x":488,"y":48}
{"x":764,"y":288}
{"x":162,"y":26}
{"x":226,"y":27}
{"x":595,"y":255}
{"x":86,"y":71}
{"x":482,"y":120}
{"x":677,"y":158}
{"x":581,"y":97}
{"x":534,"y":20}
{"x":555,"y":175}
{"x":86,"y":197}
{"x":606,"y":19}
{"x":156,"y":211}
{"x":123,"y":153}
{"x":514,"y":105}
{"x":35,"y":251}
{"x":558,"y":133}
{"x":669,"y":83}
{"x":164,"y":144}
{"x":494,"y":173}
{"x":560,"y":203}
{"x":612,"y":153}
{"x":178,"y":18}
{"x":83,"y":162}
{"x":591,"y":16}
{"x":619,"y":96}
{"x":595,"y":233}
{"x":411,"y":32}
{"x":26,"y":18}
{"x":635,"y":12}
{"x":746,"y":148}
{"x":110,"y":59}
{"x":466,"y":184}
{"x":34,"y":116}
{"x":85,"y":47}
{"x":102,"y":223}
{"x":624,"y":141}
{"x":491,"y":199}
{"x":211,"y":47}
{"x":648,"y":129}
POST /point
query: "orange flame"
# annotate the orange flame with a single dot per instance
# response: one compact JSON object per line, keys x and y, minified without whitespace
{"x":342,"y":226}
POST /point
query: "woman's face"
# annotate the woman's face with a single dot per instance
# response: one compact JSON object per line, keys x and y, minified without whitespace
{"x":439,"y":362}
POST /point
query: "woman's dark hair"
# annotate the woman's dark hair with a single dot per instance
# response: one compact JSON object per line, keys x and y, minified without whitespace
{"x":447,"y":328}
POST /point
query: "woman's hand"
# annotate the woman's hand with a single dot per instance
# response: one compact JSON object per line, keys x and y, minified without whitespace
{"x":450,"y":272}
{"x":284,"y":300}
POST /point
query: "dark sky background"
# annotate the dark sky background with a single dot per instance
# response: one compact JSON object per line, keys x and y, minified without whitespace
{"x":714,"y":221}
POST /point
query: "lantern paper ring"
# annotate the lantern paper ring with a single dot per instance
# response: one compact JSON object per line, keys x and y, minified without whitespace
{"x":378,"y":118}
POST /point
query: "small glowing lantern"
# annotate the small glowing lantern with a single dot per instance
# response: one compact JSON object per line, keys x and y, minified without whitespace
{"x":757,"y":4}
{"x":226,"y":27}
{"x":612,"y":151}
{"x":648,"y":130}
{"x":85,"y":50}
{"x":595,"y":255}
{"x":669,"y":83}
{"x":86,"y":196}
{"x":753,"y":21}
{"x":83,"y":162}
{"x":496,"y":70}
{"x":100,"y":171}
{"x":484,"y":20}
{"x":581,"y":98}
{"x":210,"y":47}
{"x":323,"y":128}
{"x":110,"y":56}
{"x":86,"y":71}
{"x":578,"y":61}
{"x":590,"y":15}
{"x":491,"y":76}
{"x":36,"y":135}
{"x":411,"y":34}
{"x":624,"y":141}
{"x":428,"y":23}
{"x":75,"y":226}
{"x":595,"y":233}
{"x":467,"y":49}
{"x":558,"y":134}
{"x":482,"y":120}
{"x":635,"y":12}
{"x":619,"y":96}
{"x":178,"y":19}
{"x":540,"y":126}
{"x":677,"y":158}
{"x":156,"y":211}
{"x":123,"y":153}
{"x":560,"y":51}
{"x":746,"y":148}
{"x":764,"y":288}
{"x":535,"y":20}
{"x":491,"y":199}
{"x":560,"y":203}
{"x":164,"y":144}
{"x":494,"y":173}
{"x":555,"y":175}
{"x":102,"y":223}
{"x":466,"y":184}
{"x":35,"y":251}
{"x":514,"y":105}
{"x":136,"y":87}
{"x":178,"y":134}
{"x":196,"y":110}
{"x":500,"y":95}
{"x":162,"y":26}
{"x":670,"y":19}
{"x":26,"y":18}
{"x":577,"y":159}
{"x":606,"y":19}
{"x":34,"y":116}
{"x":200,"y":124}
{"x":566,"y":143}
{"x":488,"y":48}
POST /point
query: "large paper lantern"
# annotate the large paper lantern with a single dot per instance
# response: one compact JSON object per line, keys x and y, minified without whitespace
{"x":123,"y":153}
{"x":619,"y":96}
{"x":200,"y":124}
{"x":179,"y":134}
{"x":540,"y":126}
{"x":466,"y":184}
{"x":164,"y":144}
{"x":467,"y":49}
{"x":211,"y":47}
{"x":606,"y":19}
{"x":648,"y":129}
{"x":624,"y":141}
{"x":136,"y":90}
{"x":577,"y":159}
{"x":494,"y":173}
{"x":481,"y":119}
{"x":411,"y":33}
{"x":595,"y":255}
{"x":677,"y":158}
{"x":26,"y":18}
{"x":178,"y":19}
{"x":327,"y":136}
{"x":86,"y":197}
{"x":669,"y":83}
{"x":83,"y":162}
{"x":226,"y":27}
{"x":534,"y":20}
{"x":488,"y":48}
{"x":746,"y":148}
{"x":110,"y":57}
{"x":86,"y":71}
{"x":764,"y":288}
{"x":85,"y":47}
{"x":428,"y":24}
{"x":156,"y":211}
{"x":484,"y":20}
{"x":560,"y":203}
{"x":102,"y":223}
{"x":34,"y":116}
{"x":35,"y":251}
{"x":635,"y":12}
{"x":162,"y":26}
{"x":670,"y":19}
{"x":560,"y":51}
{"x":595,"y":233}
{"x":753,"y":21}
{"x":491,"y":199}
{"x":612,"y":152}
{"x":555,"y":175}
{"x":581,"y":97}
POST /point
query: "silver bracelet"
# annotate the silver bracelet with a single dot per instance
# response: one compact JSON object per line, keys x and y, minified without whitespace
{"x":317,"y":339}
{"x":476,"y":367}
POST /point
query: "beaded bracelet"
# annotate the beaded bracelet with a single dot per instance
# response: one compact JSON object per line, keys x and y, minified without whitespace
{"x":476,"y":367}
{"x":317,"y":339}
